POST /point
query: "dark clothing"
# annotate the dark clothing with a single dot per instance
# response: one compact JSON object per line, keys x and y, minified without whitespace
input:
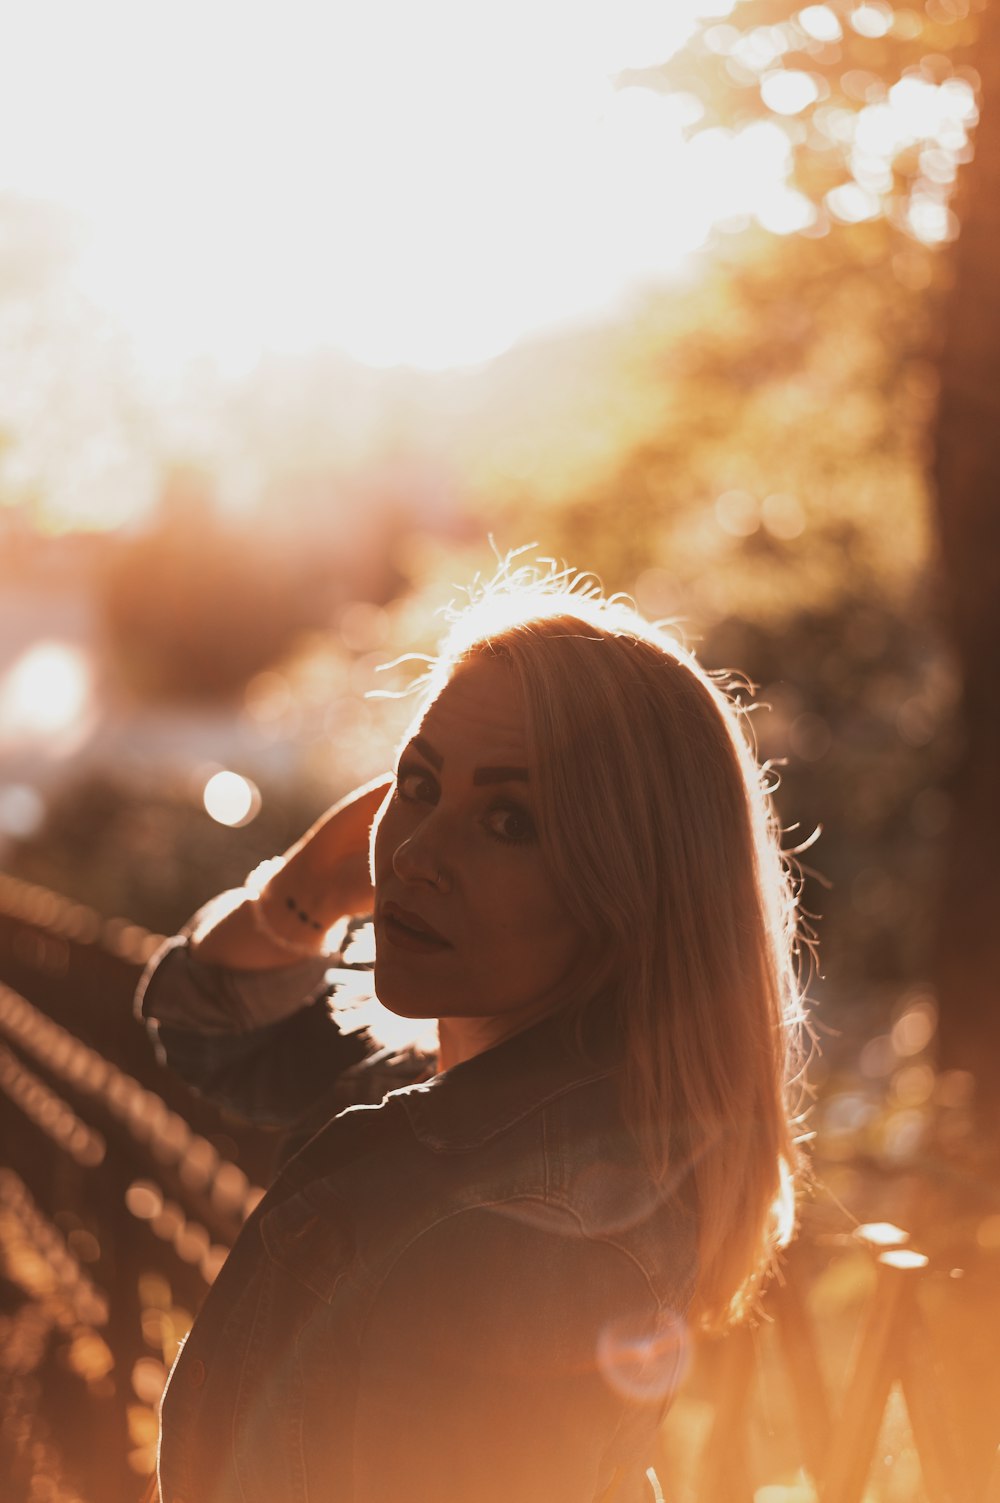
{"x":470,"y":1293}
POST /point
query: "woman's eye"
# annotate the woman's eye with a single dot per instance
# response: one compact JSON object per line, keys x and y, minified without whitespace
{"x":414,"y":786}
{"x":510,"y":824}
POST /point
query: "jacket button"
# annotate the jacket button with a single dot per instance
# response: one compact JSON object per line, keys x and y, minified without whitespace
{"x":196,"y":1377}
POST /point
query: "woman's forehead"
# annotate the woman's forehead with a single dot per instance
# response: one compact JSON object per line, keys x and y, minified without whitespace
{"x":478,"y":716}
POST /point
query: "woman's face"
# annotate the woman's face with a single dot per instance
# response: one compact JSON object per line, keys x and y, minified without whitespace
{"x":468,"y":922}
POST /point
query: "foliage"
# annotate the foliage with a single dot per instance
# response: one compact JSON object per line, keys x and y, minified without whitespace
{"x":875,"y":101}
{"x":857,"y":707}
{"x":800,"y":374}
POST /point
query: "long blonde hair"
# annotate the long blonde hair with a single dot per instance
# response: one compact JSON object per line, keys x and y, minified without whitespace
{"x":657,"y":824}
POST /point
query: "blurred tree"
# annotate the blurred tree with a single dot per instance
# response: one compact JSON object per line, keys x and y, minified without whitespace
{"x":783,"y":464}
{"x":778,"y":497}
{"x":967,"y":473}
{"x":875,"y":101}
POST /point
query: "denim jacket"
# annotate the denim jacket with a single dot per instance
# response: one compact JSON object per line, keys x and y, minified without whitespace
{"x":471,"y":1292}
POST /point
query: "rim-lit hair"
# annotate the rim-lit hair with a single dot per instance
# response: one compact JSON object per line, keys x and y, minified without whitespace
{"x":657,"y":825}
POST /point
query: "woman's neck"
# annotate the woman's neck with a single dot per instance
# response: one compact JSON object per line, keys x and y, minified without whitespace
{"x":463,"y":1038}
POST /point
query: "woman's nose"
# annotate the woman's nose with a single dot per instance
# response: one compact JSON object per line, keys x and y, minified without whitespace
{"x":420,"y":859}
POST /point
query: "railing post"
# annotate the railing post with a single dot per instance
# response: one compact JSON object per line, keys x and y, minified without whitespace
{"x":797,"y":1341}
{"x":926,"y":1395}
{"x":724,"y":1472}
{"x":991,"y":1493}
{"x":876,"y":1364}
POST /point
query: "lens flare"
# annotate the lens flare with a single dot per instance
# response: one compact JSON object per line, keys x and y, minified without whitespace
{"x":231,"y":799}
{"x":644,"y":1361}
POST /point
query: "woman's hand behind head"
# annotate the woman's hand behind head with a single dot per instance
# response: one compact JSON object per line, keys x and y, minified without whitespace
{"x":327,"y":873}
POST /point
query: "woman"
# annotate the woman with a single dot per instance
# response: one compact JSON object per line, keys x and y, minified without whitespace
{"x":478,"y":1289}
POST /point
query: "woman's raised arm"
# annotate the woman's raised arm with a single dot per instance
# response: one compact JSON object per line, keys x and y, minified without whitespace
{"x":287,"y":913}
{"x":228,"y":999}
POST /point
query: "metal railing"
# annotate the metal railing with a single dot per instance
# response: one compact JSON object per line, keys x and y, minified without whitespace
{"x":836,"y":1441}
{"x":113,"y":1184}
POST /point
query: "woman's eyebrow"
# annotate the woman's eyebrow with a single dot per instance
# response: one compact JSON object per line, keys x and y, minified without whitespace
{"x":428,"y":753}
{"x":480,"y":776}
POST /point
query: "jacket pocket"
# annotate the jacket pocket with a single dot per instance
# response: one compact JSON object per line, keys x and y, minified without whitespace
{"x":310,"y":1237}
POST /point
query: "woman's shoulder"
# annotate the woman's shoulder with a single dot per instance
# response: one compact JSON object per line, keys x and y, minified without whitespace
{"x":490,"y":1155}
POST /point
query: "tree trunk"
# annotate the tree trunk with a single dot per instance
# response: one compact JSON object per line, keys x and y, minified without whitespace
{"x":967,"y":476}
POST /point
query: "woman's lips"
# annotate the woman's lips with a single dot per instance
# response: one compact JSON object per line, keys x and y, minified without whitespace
{"x":409,"y":931}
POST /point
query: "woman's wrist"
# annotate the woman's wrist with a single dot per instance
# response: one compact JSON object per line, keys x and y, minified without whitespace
{"x":292,"y":946}
{"x":296,"y":904}
{"x":279,"y":915}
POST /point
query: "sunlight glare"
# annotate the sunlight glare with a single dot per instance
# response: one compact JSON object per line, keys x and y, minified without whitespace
{"x":930,"y":220}
{"x":852,"y":204}
{"x":883,"y":1234}
{"x":874,"y":19}
{"x":821,"y":23}
{"x":904,"y":1258}
{"x":46,"y":691}
{"x":786,"y":211}
{"x":338,"y":175}
{"x":788,"y":91}
{"x":22,"y":810}
{"x":915,"y":1027}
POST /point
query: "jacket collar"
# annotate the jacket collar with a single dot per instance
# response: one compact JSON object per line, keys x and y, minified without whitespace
{"x":473,"y":1101}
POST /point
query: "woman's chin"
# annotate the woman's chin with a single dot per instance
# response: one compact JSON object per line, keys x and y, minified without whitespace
{"x":401,"y":1000}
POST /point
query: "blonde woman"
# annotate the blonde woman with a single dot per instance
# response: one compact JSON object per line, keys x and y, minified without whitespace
{"x":477,"y":1289}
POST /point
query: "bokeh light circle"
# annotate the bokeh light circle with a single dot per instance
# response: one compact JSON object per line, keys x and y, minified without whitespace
{"x":231,"y":799}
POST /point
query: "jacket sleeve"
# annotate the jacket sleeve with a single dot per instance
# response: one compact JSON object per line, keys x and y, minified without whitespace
{"x":500,"y":1362}
{"x":261,"y":1044}
{"x":180,"y":989}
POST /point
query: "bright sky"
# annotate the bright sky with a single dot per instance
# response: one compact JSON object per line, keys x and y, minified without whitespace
{"x":418,"y":183}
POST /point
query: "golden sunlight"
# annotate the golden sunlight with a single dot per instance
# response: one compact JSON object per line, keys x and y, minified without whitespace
{"x":47,"y":691}
{"x":419,"y":185}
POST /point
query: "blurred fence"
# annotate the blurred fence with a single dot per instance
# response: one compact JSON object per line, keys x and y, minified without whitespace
{"x":836,"y":1444}
{"x":116,"y":1211}
{"x":121,"y":1194}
